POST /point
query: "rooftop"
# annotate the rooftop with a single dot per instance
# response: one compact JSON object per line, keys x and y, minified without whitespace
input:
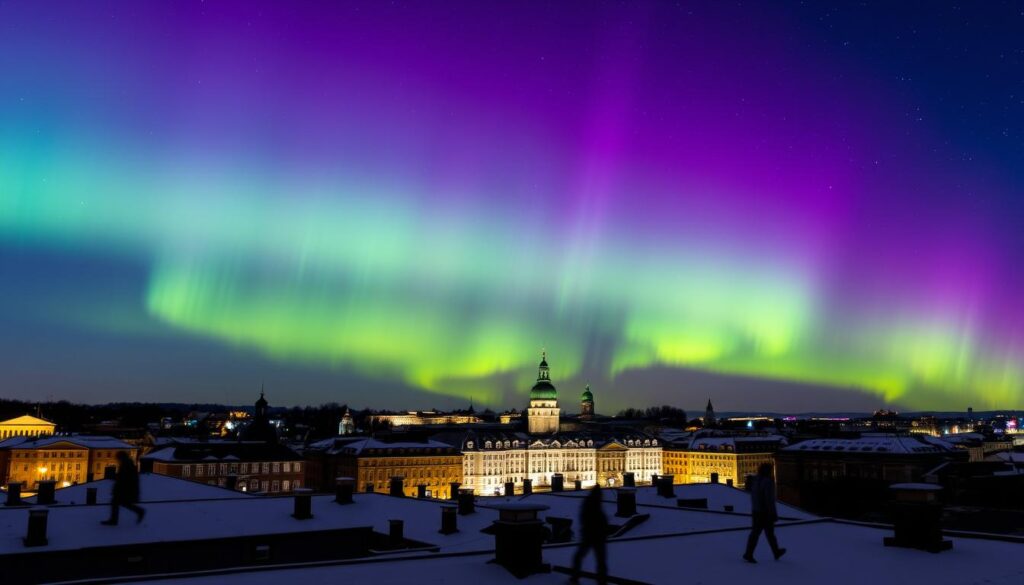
{"x":703,"y":545}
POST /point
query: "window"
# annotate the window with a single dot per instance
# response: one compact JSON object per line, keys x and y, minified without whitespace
{"x":277,"y":468}
{"x":245,"y":468}
{"x":275,"y":486}
{"x":186,"y":470}
{"x":199,"y":470}
{"x":266,"y":469}
{"x":287,"y":468}
{"x":297,"y":467}
{"x":286,"y":485}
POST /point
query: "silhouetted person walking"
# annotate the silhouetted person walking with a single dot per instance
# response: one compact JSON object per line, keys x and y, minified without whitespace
{"x":593,"y":535}
{"x":764,"y":514}
{"x":126,"y":490}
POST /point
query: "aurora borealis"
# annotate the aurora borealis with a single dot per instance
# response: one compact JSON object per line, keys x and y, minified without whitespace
{"x":398,"y":204}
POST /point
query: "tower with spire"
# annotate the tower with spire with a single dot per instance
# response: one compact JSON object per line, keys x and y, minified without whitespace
{"x":587,"y":404}
{"x":709,"y":415}
{"x":543,"y":414}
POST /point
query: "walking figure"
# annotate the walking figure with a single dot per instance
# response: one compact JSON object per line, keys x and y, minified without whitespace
{"x":126,"y":490}
{"x":763,"y":512}
{"x":593,"y":535}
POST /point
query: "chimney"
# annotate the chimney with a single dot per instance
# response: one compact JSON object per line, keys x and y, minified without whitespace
{"x":466,"y":504}
{"x":303,"y":504}
{"x":714,"y":477}
{"x":728,"y":482}
{"x":692,"y":503}
{"x":36,"y":535}
{"x":449,"y":520}
{"x":510,"y":489}
{"x":519,"y":538}
{"x":578,"y":484}
{"x":343,"y":488}
{"x":110,"y":472}
{"x":665,"y":487}
{"x":654,"y":479}
{"x":728,"y":507}
{"x":396,"y":532}
{"x":527,"y":486}
{"x":90,"y":496}
{"x":397,"y":485}
{"x":45,"y":493}
{"x":421,"y":491}
{"x":557,"y":482}
{"x":14,"y":494}
{"x":454,"y":493}
{"x":369,"y":487}
{"x":625,"y":499}
{"x":916,"y":516}
{"x":629,"y":479}
{"x":232,"y":482}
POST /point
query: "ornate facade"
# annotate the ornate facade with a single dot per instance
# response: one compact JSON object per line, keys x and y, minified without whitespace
{"x":492,"y":459}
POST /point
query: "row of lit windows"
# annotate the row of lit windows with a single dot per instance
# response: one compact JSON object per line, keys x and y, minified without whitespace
{"x":390,"y":462}
{"x":225,"y":468}
{"x":49,"y":454}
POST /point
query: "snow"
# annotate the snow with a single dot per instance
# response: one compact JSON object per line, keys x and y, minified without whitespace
{"x":705,"y":546}
{"x":89,"y":441}
{"x":879,"y":443}
{"x":152,"y":488}
{"x":826,"y":551}
{"x":718,"y":496}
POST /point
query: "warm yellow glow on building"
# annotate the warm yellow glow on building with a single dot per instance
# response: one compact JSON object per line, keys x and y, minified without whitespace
{"x":26,"y":426}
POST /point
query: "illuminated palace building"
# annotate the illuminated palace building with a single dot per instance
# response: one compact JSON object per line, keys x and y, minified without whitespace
{"x":66,"y":460}
{"x":593,"y":455}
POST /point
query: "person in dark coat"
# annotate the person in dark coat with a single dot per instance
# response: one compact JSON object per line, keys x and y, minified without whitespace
{"x":763,"y":512}
{"x":593,"y":535}
{"x":126,"y":490}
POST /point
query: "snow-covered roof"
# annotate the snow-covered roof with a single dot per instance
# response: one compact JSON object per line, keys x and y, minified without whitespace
{"x":1007,"y":457}
{"x":367,"y":445}
{"x":223,"y":451}
{"x":706,"y":544}
{"x":876,"y":443}
{"x":152,"y":488}
{"x":836,"y":552}
{"x":87,"y":441}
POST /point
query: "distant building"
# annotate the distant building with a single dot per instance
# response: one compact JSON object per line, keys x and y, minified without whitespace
{"x":425,"y":417}
{"x":492,"y":459}
{"x":26,"y":426}
{"x":732,"y":457}
{"x":543,"y":415}
{"x":66,"y":459}
{"x":587,"y":404}
{"x":848,"y":476}
{"x":373,"y":462}
{"x":346,"y":426}
{"x":251,"y":466}
{"x":510,"y":417}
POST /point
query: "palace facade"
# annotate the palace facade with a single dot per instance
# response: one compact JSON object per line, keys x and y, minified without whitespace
{"x":595,"y":455}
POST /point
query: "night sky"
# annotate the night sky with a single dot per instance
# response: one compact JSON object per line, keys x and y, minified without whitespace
{"x":777,"y":205}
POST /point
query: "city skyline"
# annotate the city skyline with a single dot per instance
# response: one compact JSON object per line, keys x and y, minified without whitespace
{"x":784,"y":208}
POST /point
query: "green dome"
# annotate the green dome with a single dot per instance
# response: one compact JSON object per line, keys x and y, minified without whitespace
{"x":587,"y":395}
{"x":543,"y":390}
